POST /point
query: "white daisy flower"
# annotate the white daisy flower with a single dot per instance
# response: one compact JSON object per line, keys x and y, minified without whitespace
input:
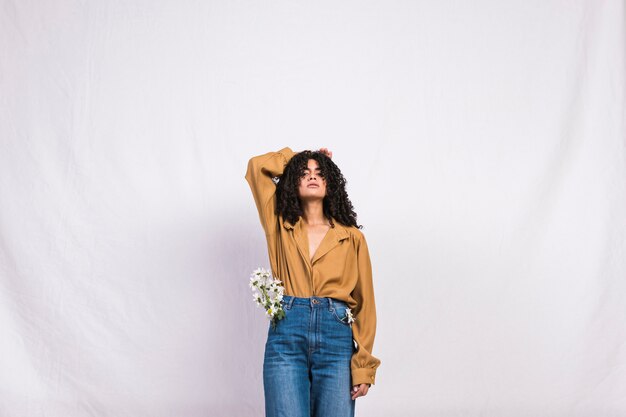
{"x":349,"y":315}
{"x":267,"y":293}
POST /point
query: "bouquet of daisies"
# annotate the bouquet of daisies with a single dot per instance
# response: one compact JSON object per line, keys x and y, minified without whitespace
{"x":268,"y":293}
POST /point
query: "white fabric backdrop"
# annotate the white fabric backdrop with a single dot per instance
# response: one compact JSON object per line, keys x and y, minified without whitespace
{"x":483,"y":143}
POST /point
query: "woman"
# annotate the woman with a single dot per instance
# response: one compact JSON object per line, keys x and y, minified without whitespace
{"x":318,"y":358}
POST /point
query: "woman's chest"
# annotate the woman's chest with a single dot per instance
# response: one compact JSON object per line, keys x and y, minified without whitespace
{"x":314,"y":238}
{"x":316,"y":249}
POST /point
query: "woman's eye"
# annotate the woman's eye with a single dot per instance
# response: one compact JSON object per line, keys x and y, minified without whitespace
{"x":318,"y":173}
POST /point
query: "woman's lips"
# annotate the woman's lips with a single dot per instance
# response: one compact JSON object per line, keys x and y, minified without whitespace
{"x":312,"y":185}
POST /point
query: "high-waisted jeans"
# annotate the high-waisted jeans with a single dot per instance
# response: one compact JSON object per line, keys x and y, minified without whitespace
{"x":306,"y":369}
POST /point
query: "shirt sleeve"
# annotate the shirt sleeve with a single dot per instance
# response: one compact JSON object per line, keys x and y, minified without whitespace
{"x":363,"y":364}
{"x":261,"y":170}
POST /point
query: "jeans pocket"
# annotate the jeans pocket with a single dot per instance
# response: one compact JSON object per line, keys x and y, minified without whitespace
{"x":340,"y":315}
{"x":274,"y":323}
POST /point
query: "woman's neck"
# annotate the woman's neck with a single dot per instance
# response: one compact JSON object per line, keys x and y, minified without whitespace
{"x":313,"y":213}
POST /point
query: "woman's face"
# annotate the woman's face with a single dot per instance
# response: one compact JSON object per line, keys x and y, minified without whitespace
{"x":312,"y":185}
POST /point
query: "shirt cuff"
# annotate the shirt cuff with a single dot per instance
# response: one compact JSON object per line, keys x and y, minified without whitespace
{"x":363,"y":376}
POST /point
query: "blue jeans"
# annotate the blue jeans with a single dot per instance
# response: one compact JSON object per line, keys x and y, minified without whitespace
{"x":306,"y":369}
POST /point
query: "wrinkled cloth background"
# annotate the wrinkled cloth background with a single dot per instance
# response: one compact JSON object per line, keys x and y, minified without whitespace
{"x":483,"y":144}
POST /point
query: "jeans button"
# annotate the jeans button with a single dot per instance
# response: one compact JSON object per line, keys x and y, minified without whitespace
{"x":315,"y":301}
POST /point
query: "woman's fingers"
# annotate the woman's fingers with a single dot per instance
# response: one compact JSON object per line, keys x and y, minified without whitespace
{"x":359,"y":391}
{"x":326,"y":152}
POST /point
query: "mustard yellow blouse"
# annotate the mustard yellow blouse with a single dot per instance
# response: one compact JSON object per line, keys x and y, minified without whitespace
{"x":340,"y":269}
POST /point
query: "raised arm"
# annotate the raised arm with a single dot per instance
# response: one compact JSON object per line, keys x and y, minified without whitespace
{"x":363,"y":363}
{"x":261,"y":170}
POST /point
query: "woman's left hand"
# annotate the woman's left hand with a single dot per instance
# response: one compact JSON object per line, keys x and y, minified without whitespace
{"x":326,"y":152}
{"x":360,"y":390}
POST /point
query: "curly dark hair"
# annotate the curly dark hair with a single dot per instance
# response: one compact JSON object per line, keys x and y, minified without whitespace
{"x":336,"y":203}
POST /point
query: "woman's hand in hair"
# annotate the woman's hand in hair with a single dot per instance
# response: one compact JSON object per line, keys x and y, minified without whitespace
{"x":326,"y":152}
